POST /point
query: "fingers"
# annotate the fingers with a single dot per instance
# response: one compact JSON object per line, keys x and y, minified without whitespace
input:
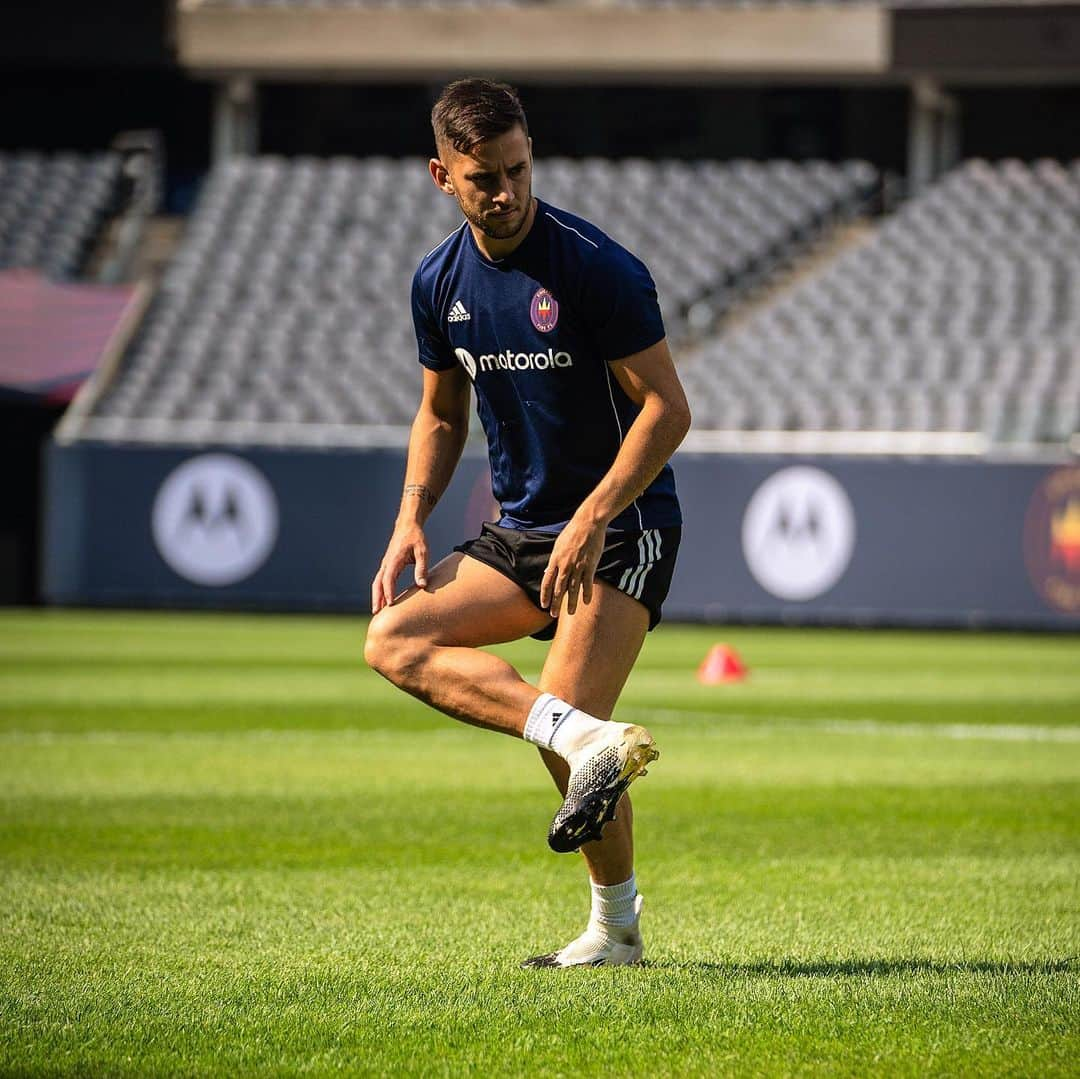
{"x":586,"y":588}
{"x":389,"y":579}
{"x":579,"y":585}
{"x":547,"y":585}
{"x":397,"y":557}
{"x":558,"y":590}
{"x":554,"y":584}
{"x":573,"y":586}
{"x":571,"y":583}
{"x":565,"y":583}
{"x":421,"y":554}
{"x":382,"y":588}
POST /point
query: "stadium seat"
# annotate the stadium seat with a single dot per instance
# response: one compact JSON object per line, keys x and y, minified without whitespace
{"x":293,"y":277}
{"x":962,"y":312}
{"x":52,"y":208}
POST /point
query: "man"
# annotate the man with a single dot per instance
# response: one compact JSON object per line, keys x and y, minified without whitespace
{"x":559,"y":332}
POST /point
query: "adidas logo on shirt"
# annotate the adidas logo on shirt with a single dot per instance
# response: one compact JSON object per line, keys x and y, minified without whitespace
{"x":458,"y":313}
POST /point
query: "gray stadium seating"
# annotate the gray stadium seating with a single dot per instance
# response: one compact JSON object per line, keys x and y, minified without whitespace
{"x":961,"y":313}
{"x":288,"y":301}
{"x":52,"y":208}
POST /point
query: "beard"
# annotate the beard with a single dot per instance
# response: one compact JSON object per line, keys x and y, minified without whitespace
{"x":495,"y":229}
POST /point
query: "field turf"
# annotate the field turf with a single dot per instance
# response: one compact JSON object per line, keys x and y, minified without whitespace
{"x":226,"y":848}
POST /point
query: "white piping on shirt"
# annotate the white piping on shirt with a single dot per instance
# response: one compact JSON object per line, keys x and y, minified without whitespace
{"x":607,"y":370}
{"x":570,"y":228}
{"x":444,"y":240}
{"x":618,"y":424}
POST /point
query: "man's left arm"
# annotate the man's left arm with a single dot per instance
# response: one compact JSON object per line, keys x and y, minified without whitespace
{"x":649,"y":379}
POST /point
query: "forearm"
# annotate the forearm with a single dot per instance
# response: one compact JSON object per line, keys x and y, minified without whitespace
{"x":650,"y":441}
{"x":435,"y":447}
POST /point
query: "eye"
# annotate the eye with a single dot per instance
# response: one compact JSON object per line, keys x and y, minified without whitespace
{"x":517,"y":170}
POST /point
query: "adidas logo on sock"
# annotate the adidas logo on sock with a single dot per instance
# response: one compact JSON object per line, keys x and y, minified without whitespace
{"x":458,"y":313}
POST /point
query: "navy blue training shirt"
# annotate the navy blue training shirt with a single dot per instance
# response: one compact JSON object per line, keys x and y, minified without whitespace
{"x":536,"y":331}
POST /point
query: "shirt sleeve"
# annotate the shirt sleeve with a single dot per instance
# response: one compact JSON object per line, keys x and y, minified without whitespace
{"x":619,"y":303}
{"x":433,"y":349}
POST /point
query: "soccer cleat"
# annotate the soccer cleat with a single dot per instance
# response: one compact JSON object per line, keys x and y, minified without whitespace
{"x":608,"y":766}
{"x":598,"y":946}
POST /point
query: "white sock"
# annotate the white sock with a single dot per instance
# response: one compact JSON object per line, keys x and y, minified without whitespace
{"x":613,"y":904}
{"x":556,"y":725}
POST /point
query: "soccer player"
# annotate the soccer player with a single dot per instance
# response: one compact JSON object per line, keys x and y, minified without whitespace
{"x":558,"y":331}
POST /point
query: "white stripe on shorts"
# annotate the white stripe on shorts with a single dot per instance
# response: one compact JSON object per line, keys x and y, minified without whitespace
{"x":643,"y":557}
{"x":633,"y":579}
{"x":645,"y":546}
{"x":654,"y":536}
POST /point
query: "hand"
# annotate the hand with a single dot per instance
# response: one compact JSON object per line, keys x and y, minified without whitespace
{"x":572,"y":566}
{"x":407,"y":546}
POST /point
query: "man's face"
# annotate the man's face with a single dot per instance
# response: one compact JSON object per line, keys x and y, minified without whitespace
{"x":492,"y":182}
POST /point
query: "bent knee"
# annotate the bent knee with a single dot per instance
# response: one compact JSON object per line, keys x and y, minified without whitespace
{"x":380,"y":644}
{"x":391,"y":650}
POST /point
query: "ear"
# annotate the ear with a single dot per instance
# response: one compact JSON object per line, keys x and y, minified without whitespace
{"x":441,"y":175}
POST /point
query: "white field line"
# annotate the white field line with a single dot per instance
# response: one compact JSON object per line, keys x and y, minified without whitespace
{"x":710,"y":724}
{"x":724,"y":723}
{"x":255,"y":734}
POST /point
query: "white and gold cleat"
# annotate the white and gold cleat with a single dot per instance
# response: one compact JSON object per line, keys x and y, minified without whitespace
{"x":600,"y":772}
{"x":599,"y":946}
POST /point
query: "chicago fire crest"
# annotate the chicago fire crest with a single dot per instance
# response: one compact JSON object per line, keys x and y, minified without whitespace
{"x":1052,"y":539}
{"x":544,"y":311}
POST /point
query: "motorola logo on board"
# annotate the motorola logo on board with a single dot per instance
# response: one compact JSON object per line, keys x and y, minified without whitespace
{"x":215,"y":519}
{"x":798,"y":533}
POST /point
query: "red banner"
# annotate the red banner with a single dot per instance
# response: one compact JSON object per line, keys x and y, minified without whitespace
{"x":53,"y":335}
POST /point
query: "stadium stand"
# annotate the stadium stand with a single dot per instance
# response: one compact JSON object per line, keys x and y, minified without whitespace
{"x":52,"y":209}
{"x":961,"y":313}
{"x":288,"y":302}
{"x":710,"y":227}
{"x":287,"y":305}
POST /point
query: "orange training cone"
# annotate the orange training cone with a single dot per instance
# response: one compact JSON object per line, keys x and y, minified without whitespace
{"x":722,"y":664}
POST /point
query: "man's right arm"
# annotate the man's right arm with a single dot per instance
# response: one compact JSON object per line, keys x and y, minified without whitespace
{"x":435,"y":445}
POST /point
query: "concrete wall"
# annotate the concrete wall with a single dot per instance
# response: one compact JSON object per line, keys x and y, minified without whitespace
{"x":530,"y":42}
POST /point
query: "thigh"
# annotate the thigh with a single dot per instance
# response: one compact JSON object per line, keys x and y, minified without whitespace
{"x":595,"y":649}
{"x":466,"y":604}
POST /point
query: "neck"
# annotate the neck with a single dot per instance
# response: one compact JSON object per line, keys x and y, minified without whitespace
{"x":499,"y":249}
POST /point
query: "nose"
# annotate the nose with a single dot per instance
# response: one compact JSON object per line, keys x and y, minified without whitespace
{"x":505,"y":193}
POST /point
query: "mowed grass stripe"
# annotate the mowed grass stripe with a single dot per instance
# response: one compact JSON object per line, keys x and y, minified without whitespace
{"x":271,"y":862}
{"x":127,"y":669}
{"x":133,"y":638}
{"x":704,"y":725}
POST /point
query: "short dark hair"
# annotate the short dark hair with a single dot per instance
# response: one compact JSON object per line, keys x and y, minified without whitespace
{"x":471,"y":111}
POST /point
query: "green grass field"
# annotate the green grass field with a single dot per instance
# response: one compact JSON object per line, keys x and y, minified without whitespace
{"x":226,"y":848}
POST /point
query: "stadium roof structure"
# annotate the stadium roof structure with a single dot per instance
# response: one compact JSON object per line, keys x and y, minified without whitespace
{"x":632,"y":40}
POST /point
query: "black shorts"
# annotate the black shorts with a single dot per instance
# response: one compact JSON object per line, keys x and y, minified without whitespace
{"x":637,"y":563}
